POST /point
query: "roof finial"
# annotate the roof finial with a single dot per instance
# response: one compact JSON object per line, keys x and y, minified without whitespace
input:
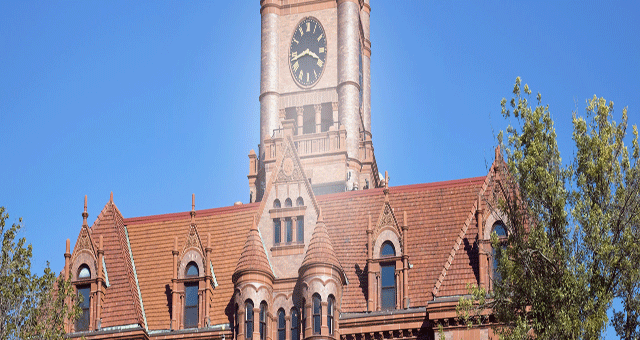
{"x":253,"y":223}
{"x":320,"y":215}
{"x":497,"y":152}
{"x":84,"y":213}
{"x":193,"y":209}
{"x":386,"y":186}
{"x":386,"y":179}
{"x":369,"y":225}
{"x":111,"y":198}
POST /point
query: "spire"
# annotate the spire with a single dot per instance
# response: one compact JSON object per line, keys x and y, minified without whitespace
{"x":320,"y":251}
{"x":253,"y":257}
{"x":193,"y":209}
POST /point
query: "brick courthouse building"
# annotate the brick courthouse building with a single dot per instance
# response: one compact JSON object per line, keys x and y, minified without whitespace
{"x":325,"y":248}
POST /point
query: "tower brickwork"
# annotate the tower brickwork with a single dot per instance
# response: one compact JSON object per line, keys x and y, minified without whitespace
{"x":324,"y":89}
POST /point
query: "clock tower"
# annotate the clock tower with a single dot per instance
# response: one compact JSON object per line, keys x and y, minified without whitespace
{"x":315,"y":89}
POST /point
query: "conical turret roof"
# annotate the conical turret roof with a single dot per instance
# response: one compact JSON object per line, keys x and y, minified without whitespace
{"x":320,"y":251}
{"x":253,"y":257}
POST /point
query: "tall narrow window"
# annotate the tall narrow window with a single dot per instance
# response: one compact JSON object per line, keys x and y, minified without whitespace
{"x":287,"y":203}
{"x":276,"y":231}
{"x":191,"y":297}
{"x":248,"y":320}
{"x":388,"y":278}
{"x":300,"y":229}
{"x":303,"y":318}
{"x":82,"y":324}
{"x":295,"y":324}
{"x":289,"y":228}
{"x":501,"y":232}
{"x":299,"y":202}
{"x":330,"y":312}
{"x":276,"y":204}
{"x":282,"y":325}
{"x":317,"y":314}
{"x":263,"y":321}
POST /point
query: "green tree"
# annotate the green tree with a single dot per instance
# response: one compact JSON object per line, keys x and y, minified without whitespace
{"x":31,"y":306}
{"x":570,"y":247}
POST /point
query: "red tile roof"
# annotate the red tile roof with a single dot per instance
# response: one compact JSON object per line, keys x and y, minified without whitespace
{"x":436,"y":214}
{"x":253,"y":256}
{"x":320,"y":250}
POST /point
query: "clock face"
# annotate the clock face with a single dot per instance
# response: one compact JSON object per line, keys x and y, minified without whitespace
{"x":308,"y":52}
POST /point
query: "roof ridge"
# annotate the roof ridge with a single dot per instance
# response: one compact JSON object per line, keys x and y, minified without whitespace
{"x":465,"y":227}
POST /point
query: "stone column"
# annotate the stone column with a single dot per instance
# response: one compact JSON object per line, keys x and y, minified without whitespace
{"x":318,"y":111}
{"x":256,"y":322}
{"x":334,"y":108}
{"x":269,"y":95}
{"x":348,"y":72}
{"x":300,"y":116}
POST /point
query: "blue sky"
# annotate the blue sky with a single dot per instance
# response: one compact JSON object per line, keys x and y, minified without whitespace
{"x":158,"y":100}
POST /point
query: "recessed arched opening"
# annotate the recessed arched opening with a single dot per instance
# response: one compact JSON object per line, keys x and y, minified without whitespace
{"x":501,"y":232}
{"x":287,"y":203}
{"x":276,"y":204}
{"x":84,"y":272}
{"x":299,"y":202}
{"x":192,"y":270}
{"x":282,"y":325}
{"x":331,"y":302}
{"x":295,"y":324}
{"x":317,"y":314}
{"x":248,"y":320}
{"x":263,"y":320}
{"x":387,"y":249}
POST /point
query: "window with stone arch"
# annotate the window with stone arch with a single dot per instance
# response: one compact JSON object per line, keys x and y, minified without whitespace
{"x":317,"y":314}
{"x":501,"y":232}
{"x":248,"y":320}
{"x":288,"y":203}
{"x":282,"y":325}
{"x":276,"y":204}
{"x":263,"y":321}
{"x":387,"y":277}
{"x":191,"y":296}
{"x":84,"y":295}
{"x":295,"y":324}
{"x":331,"y":306}
{"x":299,"y":202}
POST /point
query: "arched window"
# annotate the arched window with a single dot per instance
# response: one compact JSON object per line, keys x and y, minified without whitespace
{"x":263,"y":321}
{"x":300,"y":229}
{"x":299,"y":202}
{"x":82,"y":324}
{"x":501,"y":232}
{"x":84,"y":272}
{"x":191,"y":297}
{"x":282,"y":325}
{"x":330,"y":312}
{"x":192,"y":270}
{"x":287,"y":203}
{"x":276,"y":204}
{"x":387,"y":249}
{"x":317,"y":314}
{"x":295,"y":324}
{"x":248,"y":320}
{"x":288,"y":223}
{"x":277,"y":234}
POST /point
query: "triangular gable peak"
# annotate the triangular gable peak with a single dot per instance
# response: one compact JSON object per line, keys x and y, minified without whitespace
{"x":485,"y":198}
{"x":85,"y":245}
{"x":193,"y":241}
{"x":192,"y":251}
{"x":387,"y":221}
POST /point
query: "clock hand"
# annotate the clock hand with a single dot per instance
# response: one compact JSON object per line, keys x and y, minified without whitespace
{"x":312,"y":54}
{"x":305,"y":52}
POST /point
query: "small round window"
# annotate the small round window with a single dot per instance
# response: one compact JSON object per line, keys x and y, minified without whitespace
{"x":84,"y":272}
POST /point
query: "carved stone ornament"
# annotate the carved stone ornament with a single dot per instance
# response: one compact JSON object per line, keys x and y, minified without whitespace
{"x":287,"y":166}
{"x":193,"y":241}
{"x":289,"y":170}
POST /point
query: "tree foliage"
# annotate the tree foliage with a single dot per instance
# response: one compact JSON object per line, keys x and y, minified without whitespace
{"x":31,"y":306}
{"x":571,"y":246}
